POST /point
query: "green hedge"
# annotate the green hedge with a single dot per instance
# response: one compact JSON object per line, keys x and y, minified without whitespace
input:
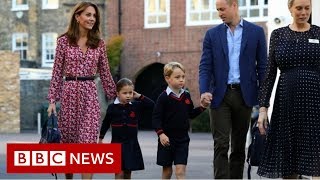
{"x":201,"y":123}
{"x":114,"y":49}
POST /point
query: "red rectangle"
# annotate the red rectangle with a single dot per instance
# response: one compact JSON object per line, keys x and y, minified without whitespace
{"x":63,"y":158}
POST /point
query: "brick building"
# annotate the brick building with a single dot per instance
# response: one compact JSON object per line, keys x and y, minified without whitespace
{"x":159,"y":31}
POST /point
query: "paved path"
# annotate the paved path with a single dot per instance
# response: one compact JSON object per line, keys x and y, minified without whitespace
{"x":199,"y":162}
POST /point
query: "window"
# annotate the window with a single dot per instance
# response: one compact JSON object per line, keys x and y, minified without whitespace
{"x":254,"y":10}
{"x":156,"y":13}
{"x":20,"y":44}
{"x":49,"y":41}
{"x":201,"y":12}
{"x":50,"y":4}
{"x":204,"y":12}
{"x":19,"y":5}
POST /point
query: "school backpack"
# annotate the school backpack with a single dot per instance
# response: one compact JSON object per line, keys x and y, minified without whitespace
{"x":50,"y":132}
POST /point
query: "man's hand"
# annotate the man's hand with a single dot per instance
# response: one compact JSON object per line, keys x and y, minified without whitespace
{"x":205,"y":99}
{"x":164,"y":140}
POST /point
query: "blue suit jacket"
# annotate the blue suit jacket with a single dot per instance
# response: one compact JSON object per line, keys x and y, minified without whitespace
{"x":214,"y":64}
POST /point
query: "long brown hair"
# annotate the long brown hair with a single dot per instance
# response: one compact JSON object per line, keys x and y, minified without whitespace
{"x":73,"y":33}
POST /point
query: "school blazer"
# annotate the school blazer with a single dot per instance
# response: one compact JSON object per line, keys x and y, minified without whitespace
{"x":214,"y":63}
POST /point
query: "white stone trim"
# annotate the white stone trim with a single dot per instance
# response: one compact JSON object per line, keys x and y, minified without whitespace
{"x":35,"y":74}
{"x":50,"y":4}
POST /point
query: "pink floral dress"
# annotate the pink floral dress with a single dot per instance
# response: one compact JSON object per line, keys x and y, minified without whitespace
{"x":79,"y":114}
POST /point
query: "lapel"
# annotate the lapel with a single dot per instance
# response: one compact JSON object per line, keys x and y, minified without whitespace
{"x":223,"y":38}
{"x":244,"y":38}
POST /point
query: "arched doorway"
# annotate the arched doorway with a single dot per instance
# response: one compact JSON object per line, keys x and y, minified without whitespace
{"x":151,"y":83}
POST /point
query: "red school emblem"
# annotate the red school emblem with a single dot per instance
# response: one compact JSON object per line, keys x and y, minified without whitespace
{"x":187,"y":101}
{"x":132,"y":114}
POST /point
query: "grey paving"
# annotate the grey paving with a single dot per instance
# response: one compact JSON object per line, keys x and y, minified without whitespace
{"x":199,"y":163}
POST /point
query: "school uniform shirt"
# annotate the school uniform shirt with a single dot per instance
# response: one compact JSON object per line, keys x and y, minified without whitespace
{"x":124,"y":118}
{"x":172,"y":113}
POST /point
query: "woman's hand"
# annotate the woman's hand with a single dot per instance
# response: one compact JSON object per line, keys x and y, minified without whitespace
{"x":263,"y":120}
{"x":52,"y":109}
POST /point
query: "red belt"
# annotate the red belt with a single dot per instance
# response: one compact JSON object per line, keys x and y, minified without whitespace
{"x":121,"y":125}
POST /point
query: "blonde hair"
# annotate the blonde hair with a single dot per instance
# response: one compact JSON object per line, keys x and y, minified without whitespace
{"x":290,"y":3}
{"x":168,"y":68}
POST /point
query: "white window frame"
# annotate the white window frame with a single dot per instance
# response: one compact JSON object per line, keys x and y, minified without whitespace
{"x":261,"y":6}
{"x":47,"y":39}
{"x":147,"y":14}
{"x":19,"y":7}
{"x":212,"y":9}
{"x":216,"y":20}
{"x":47,"y":5}
{"x":16,"y":48}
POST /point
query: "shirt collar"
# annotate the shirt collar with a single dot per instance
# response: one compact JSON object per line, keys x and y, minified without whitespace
{"x":240,"y":24}
{"x":169,"y":90}
{"x":116,"y":101}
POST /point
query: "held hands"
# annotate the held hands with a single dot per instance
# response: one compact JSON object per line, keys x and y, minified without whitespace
{"x":164,"y":140}
{"x":205,"y":99}
{"x":136,"y":95}
{"x":52,"y":108}
{"x":263,"y":120}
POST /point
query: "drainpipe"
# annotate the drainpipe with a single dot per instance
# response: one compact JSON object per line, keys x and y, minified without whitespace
{"x":119,"y":17}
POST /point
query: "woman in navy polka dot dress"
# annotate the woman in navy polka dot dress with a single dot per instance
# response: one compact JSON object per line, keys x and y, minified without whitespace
{"x":293,"y":138}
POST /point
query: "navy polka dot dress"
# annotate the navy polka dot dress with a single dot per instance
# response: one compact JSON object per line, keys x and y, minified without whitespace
{"x":293,"y":140}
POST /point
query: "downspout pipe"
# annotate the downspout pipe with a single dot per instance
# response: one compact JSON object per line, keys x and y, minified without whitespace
{"x":119,"y":17}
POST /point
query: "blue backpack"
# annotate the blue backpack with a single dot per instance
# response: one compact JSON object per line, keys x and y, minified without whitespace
{"x":50,"y":132}
{"x":256,"y":148}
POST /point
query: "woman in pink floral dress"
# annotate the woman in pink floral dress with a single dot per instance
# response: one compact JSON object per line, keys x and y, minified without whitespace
{"x":80,"y":55}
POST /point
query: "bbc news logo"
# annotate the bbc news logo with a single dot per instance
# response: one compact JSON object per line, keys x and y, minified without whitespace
{"x":63,"y":158}
{"x":40,"y":158}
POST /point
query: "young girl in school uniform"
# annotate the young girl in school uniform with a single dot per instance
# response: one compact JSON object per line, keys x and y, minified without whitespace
{"x":123,"y":116}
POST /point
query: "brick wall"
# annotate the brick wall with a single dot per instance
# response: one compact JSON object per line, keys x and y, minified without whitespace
{"x":9,"y":92}
{"x":176,"y":43}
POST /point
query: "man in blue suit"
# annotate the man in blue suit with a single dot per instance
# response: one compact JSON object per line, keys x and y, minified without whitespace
{"x":232,"y":66}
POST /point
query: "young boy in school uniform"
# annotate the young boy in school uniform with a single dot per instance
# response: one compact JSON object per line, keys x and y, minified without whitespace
{"x":170,"y":119}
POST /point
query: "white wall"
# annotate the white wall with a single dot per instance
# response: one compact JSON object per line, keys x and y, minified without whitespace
{"x":279,"y":15}
{"x":316,"y":12}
